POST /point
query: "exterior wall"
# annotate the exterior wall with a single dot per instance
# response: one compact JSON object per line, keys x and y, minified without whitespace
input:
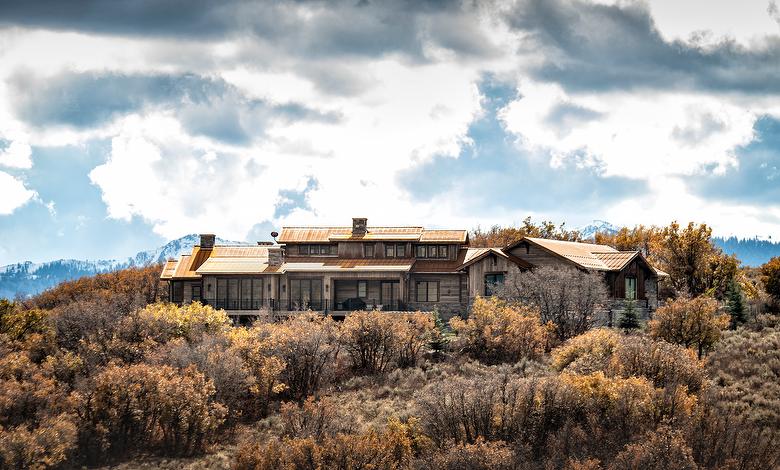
{"x":491,"y":264}
{"x":451,"y":293}
{"x":536,"y":256}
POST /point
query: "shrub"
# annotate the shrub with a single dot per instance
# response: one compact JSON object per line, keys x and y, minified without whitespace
{"x":497,"y":332}
{"x":376,"y":341}
{"x":165,"y":321}
{"x":309,"y":347}
{"x":482,"y":455}
{"x":661,"y":449}
{"x":263,"y":368}
{"x":44,"y":446}
{"x":689,"y":322}
{"x":140,"y":407}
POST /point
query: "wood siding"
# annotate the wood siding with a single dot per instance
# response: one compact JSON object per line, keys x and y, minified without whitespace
{"x":537,"y":256}
{"x":491,"y":264}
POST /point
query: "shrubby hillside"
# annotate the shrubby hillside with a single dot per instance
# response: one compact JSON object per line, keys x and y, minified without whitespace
{"x":97,"y":372}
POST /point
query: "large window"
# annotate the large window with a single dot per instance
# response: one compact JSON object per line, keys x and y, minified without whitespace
{"x":177,"y":291}
{"x":239,"y":294}
{"x":428,"y":291}
{"x":395,"y":251}
{"x":491,"y":281}
{"x":421,"y":251}
{"x":306,"y":294}
{"x":631,"y":288}
{"x":368,"y":250}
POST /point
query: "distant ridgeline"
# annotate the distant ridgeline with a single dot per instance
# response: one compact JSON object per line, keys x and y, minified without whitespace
{"x":751,"y":251}
{"x":27,"y":278}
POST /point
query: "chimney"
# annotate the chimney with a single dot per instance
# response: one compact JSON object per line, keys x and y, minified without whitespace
{"x":207,"y":240}
{"x":275,"y":256}
{"x":359,"y":226}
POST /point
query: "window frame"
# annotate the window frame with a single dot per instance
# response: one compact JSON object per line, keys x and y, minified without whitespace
{"x":427,"y":291}
{"x":400,"y":250}
{"x":390,"y":250}
{"x":364,"y":284}
{"x":488,"y":290}
{"x":366,"y":247}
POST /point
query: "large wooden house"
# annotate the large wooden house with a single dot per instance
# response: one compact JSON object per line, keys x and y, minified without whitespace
{"x":341,"y":269}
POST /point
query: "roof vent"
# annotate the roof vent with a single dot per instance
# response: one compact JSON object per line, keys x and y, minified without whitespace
{"x":207,"y":240}
{"x":359,"y":225}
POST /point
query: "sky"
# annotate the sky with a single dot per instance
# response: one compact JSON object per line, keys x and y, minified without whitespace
{"x":126,"y":124}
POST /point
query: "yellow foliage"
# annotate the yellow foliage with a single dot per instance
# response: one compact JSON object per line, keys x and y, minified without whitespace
{"x":690,"y":322}
{"x":498,"y":332}
{"x":187,"y":321}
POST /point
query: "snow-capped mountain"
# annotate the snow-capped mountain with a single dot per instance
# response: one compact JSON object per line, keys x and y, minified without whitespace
{"x":29,"y":278}
{"x":588,"y":232}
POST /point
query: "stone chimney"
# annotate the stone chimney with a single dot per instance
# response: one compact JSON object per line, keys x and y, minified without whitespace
{"x":207,"y":240}
{"x":359,"y":226}
{"x":275,"y":256}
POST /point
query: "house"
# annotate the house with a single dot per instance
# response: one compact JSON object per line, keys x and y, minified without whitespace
{"x":332,"y":269}
{"x":628,"y":274}
{"x":341,"y":269}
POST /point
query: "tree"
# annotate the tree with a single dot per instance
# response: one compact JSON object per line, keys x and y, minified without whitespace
{"x":629,"y":319}
{"x":736,"y":305}
{"x":690,"y":322}
{"x":770,"y":276}
{"x":569,"y":298}
{"x":503,"y":236}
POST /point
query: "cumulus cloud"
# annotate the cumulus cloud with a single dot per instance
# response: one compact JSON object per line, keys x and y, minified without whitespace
{"x":13,"y":193}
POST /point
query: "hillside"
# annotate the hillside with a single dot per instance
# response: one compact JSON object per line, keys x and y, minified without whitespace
{"x":27,"y":278}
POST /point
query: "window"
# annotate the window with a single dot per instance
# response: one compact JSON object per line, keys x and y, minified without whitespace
{"x":222,"y":293}
{"x":303,"y":249}
{"x":196,"y":297}
{"x":428,"y":291}
{"x":389,"y":250}
{"x":246,"y":294}
{"x":443,"y":251}
{"x":421,"y":251}
{"x":315,"y":250}
{"x":177,"y":292}
{"x":305,"y":294}
{"x":400,"y":251}
{"x":368,"y":250}
{"x":325,"y":249}
{"x":362,"y":289}
{"x":631,"y":288}
{"x":491,"y":281}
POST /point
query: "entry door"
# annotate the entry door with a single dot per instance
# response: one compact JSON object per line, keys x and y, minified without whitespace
{"x":390,"y":293}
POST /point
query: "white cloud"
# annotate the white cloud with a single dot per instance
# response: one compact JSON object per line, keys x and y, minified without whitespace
{"x":639,"y":135}
{"x":13,"y":193}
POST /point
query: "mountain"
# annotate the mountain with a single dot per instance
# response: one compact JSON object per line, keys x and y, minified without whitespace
{"x":751,"y":251}
{"x":588,"y":232}
{"x":29,"y":278}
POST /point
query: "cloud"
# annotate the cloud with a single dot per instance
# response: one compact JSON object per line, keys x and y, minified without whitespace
{"x":497,"y":174}
{"x":589,"y":46}
{"x":13,"y":194}
{"x":206,"y":106}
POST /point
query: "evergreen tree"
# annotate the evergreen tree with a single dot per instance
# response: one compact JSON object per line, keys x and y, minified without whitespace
{"x":629,"y":320}
{"x":735,"y":304}
{"x":438,"y":339}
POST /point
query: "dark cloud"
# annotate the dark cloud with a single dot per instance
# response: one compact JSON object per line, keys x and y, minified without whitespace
{"x":566,"y":116}
{"x":756,"y":180}
{"x":316,"y":29}
{"x":497,"y":173}
{"x":601,"y":47}
{"x":206,"y":106}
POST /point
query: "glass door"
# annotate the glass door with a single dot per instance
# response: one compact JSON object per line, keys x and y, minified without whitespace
{"x":631,"y":288}
{"x":389,"y":295}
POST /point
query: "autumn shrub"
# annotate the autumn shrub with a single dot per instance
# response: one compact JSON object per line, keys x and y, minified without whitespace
{"x":617,"y":355}
{"x":497,"y":332}
{"x":310,"y":419}
{"x":690,"y":322}
{"x":376,"y":342}
{"x":140,"y":407}
{"x":16,"y":322}
{"x":481,"y":455}
{"x":308,"y":345}
{"x":165,"y":321}
{"x":660,"y":449}
{"x":45,"y":445}
{"x":392,"y":448}
{"x":255,"y":349}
